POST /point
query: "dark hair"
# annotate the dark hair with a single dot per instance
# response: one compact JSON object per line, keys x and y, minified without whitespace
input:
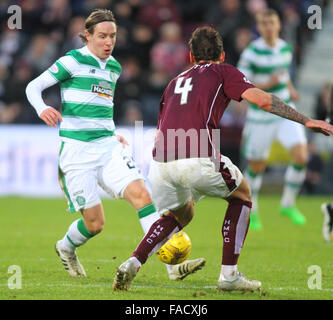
{"x":206,"y":44}
{"x":95,"y":17}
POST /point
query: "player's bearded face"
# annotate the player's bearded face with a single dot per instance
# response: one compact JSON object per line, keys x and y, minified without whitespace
{"x":102,"y":41}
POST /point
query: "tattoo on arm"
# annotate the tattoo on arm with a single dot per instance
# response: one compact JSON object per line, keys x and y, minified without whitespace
{"x":280,"y":108}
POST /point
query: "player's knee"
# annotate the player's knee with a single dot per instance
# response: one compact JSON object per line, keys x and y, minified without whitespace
{"x":145,"y":195}
{"x":246,"y":192}
{"x":139,"y":193}
{"x":257,"y":166}
{"x":95,"y":227}
{"x":243,"y":192}
{"x":185,"y":214}
{"x":301,"y":159}
{"x":299,"y":155}
{"x":186,"y":219}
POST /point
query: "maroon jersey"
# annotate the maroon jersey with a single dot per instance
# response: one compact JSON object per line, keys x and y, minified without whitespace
{"x":191,"y":109}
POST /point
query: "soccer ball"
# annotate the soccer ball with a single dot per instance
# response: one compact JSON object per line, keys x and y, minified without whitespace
{"x":175,"y":250}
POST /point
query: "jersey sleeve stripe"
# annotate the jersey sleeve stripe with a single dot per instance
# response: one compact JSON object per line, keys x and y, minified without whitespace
{"x":59,"y":72}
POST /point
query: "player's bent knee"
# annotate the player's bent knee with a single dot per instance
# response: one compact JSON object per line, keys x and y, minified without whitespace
{"x":258,"y":166}
{"x":95,"y":227}
{"x":299,"y":155}
{"x":185,"y":214}
{"x":300,"y":160}
{"x":137,"y":191}
{"x":243,"y":192}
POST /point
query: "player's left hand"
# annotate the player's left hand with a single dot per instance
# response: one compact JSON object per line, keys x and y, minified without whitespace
{"x":122,"y":140}
{"x":320,"y":126}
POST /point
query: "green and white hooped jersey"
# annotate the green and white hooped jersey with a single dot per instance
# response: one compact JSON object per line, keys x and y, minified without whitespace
{"x":87,"y":90}
{"x":259,"y":62}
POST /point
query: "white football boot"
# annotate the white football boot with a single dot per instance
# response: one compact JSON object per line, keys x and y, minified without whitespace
{"x":238,"y":282}
{"x":125,"y":275}
{"x":327,"y":229}
{"x":182,"y":270}
{"x":70,"y":261}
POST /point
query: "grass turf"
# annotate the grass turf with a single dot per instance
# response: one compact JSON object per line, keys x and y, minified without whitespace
{"x":279,"y":255}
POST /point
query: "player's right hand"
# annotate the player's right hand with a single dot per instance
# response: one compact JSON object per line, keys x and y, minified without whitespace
{"x":320,"y":126}
{"x":51,"y":116}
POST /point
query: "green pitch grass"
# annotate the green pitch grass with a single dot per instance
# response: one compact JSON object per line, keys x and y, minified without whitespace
{"x":279,"y":256}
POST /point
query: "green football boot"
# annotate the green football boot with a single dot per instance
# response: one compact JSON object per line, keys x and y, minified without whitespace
{"x":255,"y":223}
{"x":294,"y":214}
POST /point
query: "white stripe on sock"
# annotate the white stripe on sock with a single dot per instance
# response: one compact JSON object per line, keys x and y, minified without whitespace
{"x":241,"y":228}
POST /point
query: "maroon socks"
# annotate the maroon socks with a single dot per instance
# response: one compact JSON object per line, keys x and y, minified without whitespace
{"x":159,"y":232}
{"x":234,"y":230}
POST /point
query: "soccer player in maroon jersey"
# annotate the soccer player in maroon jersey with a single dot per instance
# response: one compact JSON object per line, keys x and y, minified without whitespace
{"x":187,"y":164}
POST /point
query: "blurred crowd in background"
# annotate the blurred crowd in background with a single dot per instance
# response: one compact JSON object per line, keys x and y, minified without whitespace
{"x":151,"y":46}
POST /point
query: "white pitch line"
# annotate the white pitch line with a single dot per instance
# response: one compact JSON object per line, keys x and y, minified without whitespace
{"x":152,"y":286}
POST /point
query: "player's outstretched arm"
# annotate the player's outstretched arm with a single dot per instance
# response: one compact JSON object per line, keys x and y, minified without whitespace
{"x":34,"y":94}
{"x":271,"y":103}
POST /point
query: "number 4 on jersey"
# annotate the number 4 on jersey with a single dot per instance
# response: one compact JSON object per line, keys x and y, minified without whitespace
{"x":183,"y":90}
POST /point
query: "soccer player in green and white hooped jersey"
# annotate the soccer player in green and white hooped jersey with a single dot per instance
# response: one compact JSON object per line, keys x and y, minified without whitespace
{"x":266,"y":63}
{"x":91,"y":153}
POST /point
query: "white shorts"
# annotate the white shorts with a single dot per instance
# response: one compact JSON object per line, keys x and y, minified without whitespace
{"x":83,"y":166}
{"x":258,"y":137}
{"x":175,"y":183}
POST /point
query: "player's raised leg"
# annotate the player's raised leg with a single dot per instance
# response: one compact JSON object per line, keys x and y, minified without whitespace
{"x":160,"y":231}
{"x":234,"y":231}
{"x":79,"y":232}
{"x":137,"y":194}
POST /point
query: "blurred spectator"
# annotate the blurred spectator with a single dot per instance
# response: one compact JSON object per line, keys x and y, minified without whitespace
{"x":9,"y":113}
{"x":243,"y":36}
{"x":56,"y":14}
{"x":72,"y":39}
{"x":170,"y":53}
{"x":253,"y":7}
{"x":151,"y":44}
{"x":323,"y":103}
{"x":41,"y":53}
{"x":227,"y":17}
{"x":9,"y":45}
{"x":132,"y":113}
{"x":3,"y":78}
{"x":143,"y":39}
{"x":15,"y":108}
{"x":130,"y":85}
{"x":93,"y":4}
{"x":154,"y":86}
{"x":291,"y":23}
{"x":123,"y":12}
{"x":157,"y":12}
{"x":32,"y":12}
{"x":314,"y":171}
{"x":22,"y":73}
